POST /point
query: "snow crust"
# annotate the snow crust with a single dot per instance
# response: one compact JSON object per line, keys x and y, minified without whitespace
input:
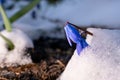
{"x":100,"y":61}
{"x":17,"y":55}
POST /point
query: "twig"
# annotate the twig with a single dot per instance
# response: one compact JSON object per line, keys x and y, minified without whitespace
{"x":83,"y":29}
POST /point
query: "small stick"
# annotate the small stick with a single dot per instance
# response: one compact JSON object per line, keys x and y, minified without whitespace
{"x":83,"y":29}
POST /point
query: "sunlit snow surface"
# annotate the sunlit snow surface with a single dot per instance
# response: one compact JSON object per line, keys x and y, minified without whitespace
{"x":16,"y":56}
{"x":100,"y":61}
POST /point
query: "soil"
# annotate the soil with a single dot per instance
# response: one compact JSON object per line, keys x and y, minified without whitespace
{"x":49,"y":56}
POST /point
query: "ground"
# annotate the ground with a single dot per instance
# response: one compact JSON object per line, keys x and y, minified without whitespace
{"x":49,"y":57}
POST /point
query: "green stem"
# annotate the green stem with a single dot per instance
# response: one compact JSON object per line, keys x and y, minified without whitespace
{"x":14,"y":18}
{"x":8,"y":26}
{"x":24,"y":10}
{"x":10,"y":45}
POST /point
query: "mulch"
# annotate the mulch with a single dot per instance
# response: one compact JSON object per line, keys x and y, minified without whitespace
{"x":49,"y":56}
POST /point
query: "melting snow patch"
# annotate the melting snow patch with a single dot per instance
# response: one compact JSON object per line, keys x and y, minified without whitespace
{"x":16,"y":56}
{"x":100,"y":61}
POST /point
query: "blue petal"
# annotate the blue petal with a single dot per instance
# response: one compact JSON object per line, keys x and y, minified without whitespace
{"x":67,"y":35}
{"x":72,"y":29}
{"x":84,"y":43}
{"x":73,"y":35}
{"x":79,"y":48}
{"x":81,"y":45}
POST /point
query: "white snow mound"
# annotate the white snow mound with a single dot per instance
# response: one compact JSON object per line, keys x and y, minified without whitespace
{"x":100,"y":61}
{"x":17,"y":55}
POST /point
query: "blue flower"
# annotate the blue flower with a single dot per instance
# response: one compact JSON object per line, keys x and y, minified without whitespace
{"x":73,"y":35}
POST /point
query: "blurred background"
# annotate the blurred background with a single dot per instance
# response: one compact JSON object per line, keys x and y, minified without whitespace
{"x":49,"y":16}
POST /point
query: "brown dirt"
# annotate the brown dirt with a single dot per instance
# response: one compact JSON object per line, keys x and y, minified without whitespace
{"x":49,"y":56}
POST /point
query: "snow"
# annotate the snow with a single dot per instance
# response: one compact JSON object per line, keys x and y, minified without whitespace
{"x":100,"y":61}
{"x":17,"y":55}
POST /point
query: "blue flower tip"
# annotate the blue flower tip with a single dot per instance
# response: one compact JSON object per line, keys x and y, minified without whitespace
{"x":68,"y":22}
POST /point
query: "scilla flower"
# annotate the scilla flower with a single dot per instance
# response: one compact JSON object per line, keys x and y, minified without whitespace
{"x":73,"y":35}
